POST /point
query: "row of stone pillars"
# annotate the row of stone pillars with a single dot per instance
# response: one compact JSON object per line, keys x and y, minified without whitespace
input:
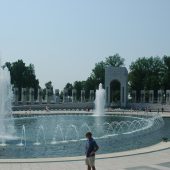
{"x":161,"y":96}
{"x":27,"y":96}
{"x":73,"y":98}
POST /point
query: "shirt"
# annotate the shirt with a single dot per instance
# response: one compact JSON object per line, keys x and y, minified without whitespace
{"x":91,"y":146}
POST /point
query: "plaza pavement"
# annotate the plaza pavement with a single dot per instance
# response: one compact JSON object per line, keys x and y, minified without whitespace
{"x":156,"y":157}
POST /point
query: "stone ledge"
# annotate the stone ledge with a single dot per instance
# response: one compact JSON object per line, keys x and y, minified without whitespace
{"x":154,"y":148}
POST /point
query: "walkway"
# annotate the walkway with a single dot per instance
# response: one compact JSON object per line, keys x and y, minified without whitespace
{"x":159,"y":160}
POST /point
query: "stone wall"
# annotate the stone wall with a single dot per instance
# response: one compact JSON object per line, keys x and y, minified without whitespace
{"x":62,"y":106}
{"x":149,"y":106}
{"x":28,"y":97}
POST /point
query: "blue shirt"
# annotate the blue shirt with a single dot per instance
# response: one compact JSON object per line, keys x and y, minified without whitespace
{"x":91,"y":146}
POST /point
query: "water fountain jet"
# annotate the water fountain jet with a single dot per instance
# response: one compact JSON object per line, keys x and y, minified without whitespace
{"x":6,"y":121}
{"x":23,"y":137}
{"x":100,"y":101}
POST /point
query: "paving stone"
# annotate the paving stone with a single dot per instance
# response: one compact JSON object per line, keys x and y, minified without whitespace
{"x":159,"y":160}
{"x":165,"y":164}
{"x":142,"y":168}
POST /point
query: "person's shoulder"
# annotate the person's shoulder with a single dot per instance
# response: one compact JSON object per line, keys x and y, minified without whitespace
{"x":93,"y":140}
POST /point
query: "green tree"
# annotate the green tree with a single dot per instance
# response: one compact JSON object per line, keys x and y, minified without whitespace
{"x":49,"y":87}
{"x":22,"y":76}
{"x":98,"y":73}
{"x":69,"y":87}
{"x":78,"y":85}
{"x":146,"y":73}
{"x":115,"y":61}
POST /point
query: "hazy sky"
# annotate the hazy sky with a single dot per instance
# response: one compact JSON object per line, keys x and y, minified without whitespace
{"x":65,"y":38}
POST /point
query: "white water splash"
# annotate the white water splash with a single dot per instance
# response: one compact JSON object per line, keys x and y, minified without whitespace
{"x":100,"y":101}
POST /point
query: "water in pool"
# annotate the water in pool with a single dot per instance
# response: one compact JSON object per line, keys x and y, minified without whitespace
{"x":63,"y":135}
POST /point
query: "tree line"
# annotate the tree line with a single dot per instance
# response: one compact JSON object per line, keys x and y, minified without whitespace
{"x":146,"y":73}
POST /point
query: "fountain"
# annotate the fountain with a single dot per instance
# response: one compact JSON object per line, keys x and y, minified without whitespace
{"x":40,"y":131}
{"x":100,"y":101}
{"x":64,"y":134}
{"x":72,"y":133}
{"x":58,"y":134}
{"x":6,"y":121}
{"x":23,"y":137}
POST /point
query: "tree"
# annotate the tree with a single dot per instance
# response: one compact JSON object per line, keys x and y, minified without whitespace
{"x":22,"y":76}
{"x":78,"y":85}
{"x":69,"y":87}
{"x":146,"y":74}
{"x":98,"y":73}
{"x":115,"y":61}
{"x":49,"y":87}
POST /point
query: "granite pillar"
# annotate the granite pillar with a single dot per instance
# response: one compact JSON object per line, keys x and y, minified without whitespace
{"x":142,"y":96}
{"x":83,"y":96}
{"x":57,"y":96}
{"x":160,"y":96}
{"x":40,"y":95}
{"x":167,"y":96}
{"x":65,"y":95}
{"x":16,"y":96}
{"x":151,"y":96}
{"x":23,"y":95}
{"x":31,"y":95}
{"x":92,"y":95}
{"x":133,"y":96}
{"x":74,"y":95}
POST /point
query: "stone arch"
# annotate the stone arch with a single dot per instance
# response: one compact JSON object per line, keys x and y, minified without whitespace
{"x":119,"y":74}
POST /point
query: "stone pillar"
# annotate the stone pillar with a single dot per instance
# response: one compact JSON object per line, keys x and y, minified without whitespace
{"x":65,"y":95}
{"x":151,"y":96}
{"x":16,"y":96}
{"x":23,"y":95}
{"x":40,"y":94}
{"x":48,"y":96}
{"x":142,"y":96}
{"x":133,"y":96}
{"x":91,"y":95}
{"x":74,"y":95}
{"x":83,"y":96}
{"x":57,"y":96}
{"x":31,"y":95}
{"x":167,"y":96}
{"x":160,"y":96}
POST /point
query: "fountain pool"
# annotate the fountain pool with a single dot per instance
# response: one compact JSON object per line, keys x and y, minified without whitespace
{"x":63,"y":135}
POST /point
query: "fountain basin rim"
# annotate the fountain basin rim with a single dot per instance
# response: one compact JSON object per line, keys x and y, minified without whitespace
{"x":9,"y":137}
{"x":34,"y":115}
{"x":150,"y":149}
{"x":68,"y":112}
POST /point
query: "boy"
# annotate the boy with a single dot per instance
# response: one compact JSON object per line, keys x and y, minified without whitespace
{"x":91,"y":148}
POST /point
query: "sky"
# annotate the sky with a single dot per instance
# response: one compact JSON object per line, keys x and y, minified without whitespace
{"x":65,"y":38}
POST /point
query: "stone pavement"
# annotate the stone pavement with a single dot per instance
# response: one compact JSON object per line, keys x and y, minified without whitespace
{"x":159,"y":160}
